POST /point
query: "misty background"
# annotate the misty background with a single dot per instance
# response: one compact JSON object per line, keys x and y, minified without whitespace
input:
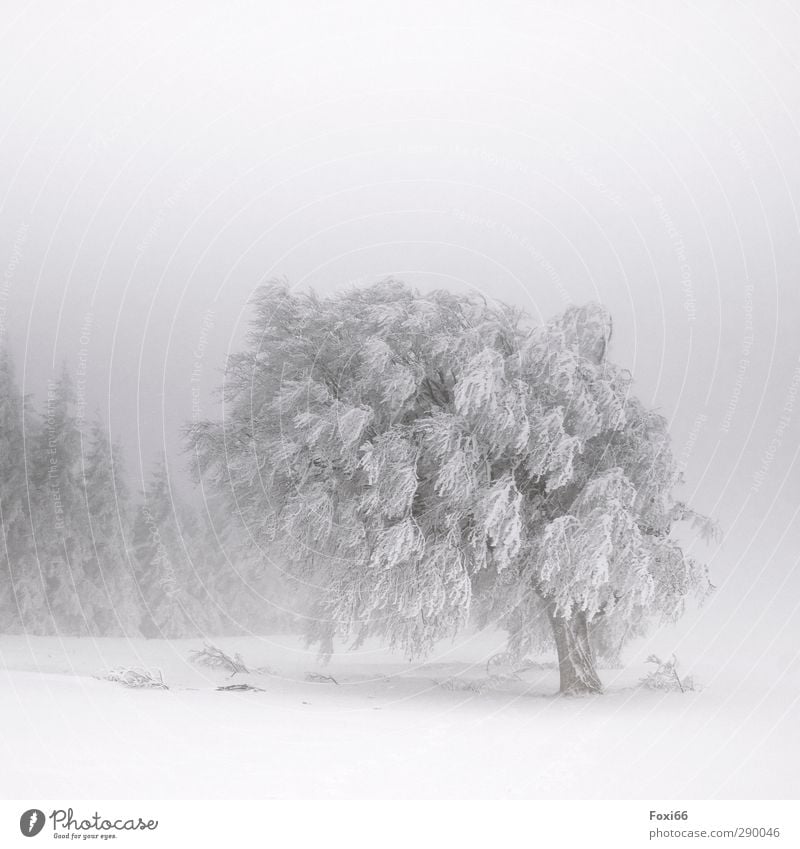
{"x":159,"y":162}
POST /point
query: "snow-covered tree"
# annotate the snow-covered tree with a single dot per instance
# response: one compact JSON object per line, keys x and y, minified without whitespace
{"x":23,"y":601}
{"x":171,"y":565}
{"x":421,"y":457}
{"x":107,"y":508}
{"x":247,"y":587}
{"x":62,"y":541}
{"x":63,"y":507}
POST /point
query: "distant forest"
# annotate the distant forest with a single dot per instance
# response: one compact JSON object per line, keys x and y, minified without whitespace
{"x":84,"y":555}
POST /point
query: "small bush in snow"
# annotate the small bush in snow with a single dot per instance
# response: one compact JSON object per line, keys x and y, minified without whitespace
{"x":215,"y":658}
{"x":137,"y":677}
{"x":508,"y":666}
{"x":463,"y":685}
{"x":665,"y":676}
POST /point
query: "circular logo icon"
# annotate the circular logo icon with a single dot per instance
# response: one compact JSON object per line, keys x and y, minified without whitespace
{"x":31,"y":822}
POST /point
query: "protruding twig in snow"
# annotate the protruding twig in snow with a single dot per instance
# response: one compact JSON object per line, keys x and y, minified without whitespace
{"x":321,"y":679}
{"x":215,"y":658}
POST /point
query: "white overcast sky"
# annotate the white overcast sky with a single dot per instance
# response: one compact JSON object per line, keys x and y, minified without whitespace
{"x":159,"y":160}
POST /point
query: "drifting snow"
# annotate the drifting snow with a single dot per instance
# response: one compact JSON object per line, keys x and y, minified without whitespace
{"x":382,"y":728}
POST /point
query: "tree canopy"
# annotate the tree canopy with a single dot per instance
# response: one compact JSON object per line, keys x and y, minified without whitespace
{"x":420,"y":457}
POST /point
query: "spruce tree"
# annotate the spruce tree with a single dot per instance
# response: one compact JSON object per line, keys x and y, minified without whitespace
{"x":108,"y":510}
{"x":170,"y":564}
{"x":23,"y":605}
{"x":63,"y":544}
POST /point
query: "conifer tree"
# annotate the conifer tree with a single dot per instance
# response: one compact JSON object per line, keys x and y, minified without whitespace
{"x":108,"y":510}
{"x":249,"y":590}
{"x":170,"y":564}
{"x":422,"y":457}
{"x":62,"y":540}
{"x":22,"y":603}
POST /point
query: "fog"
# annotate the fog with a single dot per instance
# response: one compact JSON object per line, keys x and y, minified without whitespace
{"x":158,"y":162}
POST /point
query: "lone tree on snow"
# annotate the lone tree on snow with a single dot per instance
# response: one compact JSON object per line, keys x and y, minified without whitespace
{"x":421,"y":457}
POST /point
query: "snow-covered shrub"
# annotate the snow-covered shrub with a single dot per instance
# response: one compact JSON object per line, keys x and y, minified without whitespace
{"x":215,"y":658}
{"x":137,"y":677}
{"x":507,"y":665}
{"x":462,"y":685}
{"x":665,"y":676}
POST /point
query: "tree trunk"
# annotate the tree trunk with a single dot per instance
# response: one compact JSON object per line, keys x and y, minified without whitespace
{"x":576,"y":661}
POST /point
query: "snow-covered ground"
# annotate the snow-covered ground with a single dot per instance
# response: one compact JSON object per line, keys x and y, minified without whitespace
{"x":387,"y":729}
